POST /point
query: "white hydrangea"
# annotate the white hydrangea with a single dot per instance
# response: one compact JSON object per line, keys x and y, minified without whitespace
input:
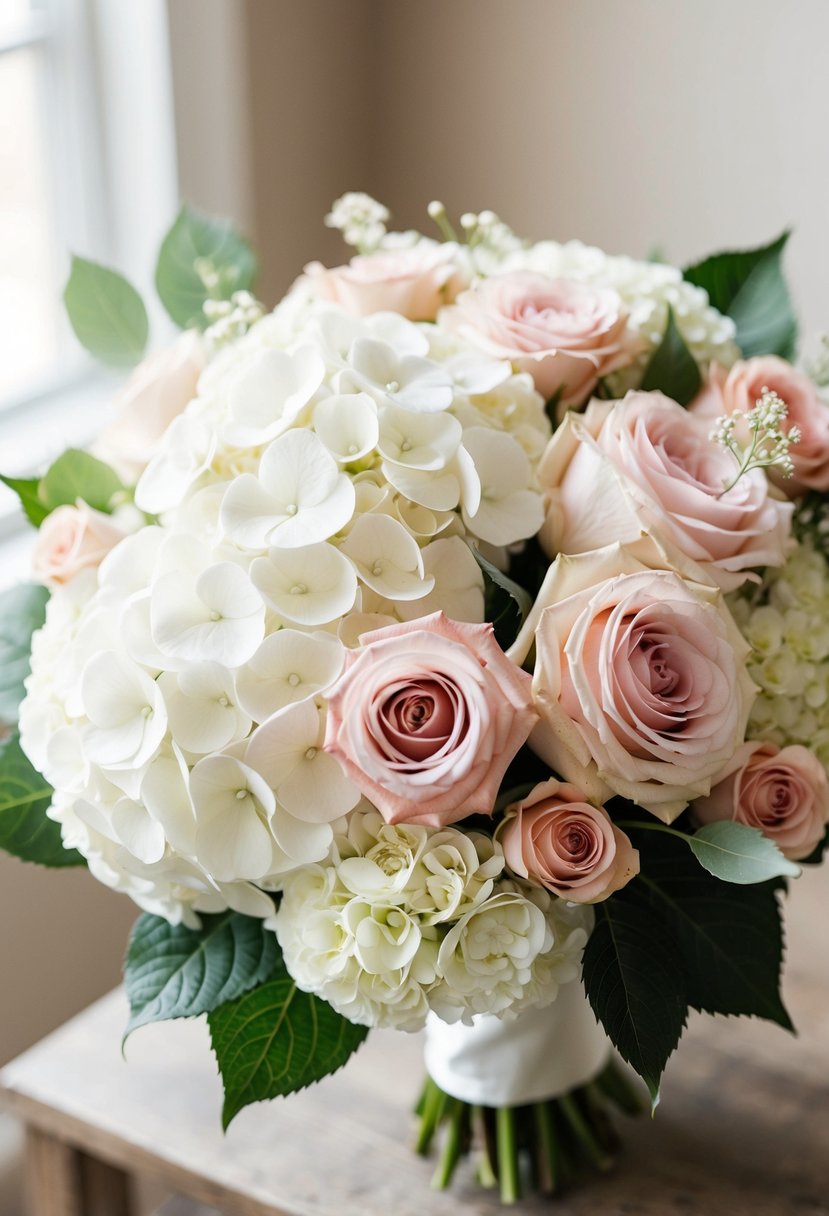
{"x":403,"y":919}
{"x":786,"y":622}
{"x":326,"y":479}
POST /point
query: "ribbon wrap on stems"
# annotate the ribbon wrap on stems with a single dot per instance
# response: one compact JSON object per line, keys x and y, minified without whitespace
{"x":543,"y":1053}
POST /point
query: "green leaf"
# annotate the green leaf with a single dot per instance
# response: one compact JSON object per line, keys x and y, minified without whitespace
{"x":636,"y":986}
{"x":506,"y":605}
{"x":729,"y":938}
{"x":749,"y":286}
{"x":106,"y":313}
{"x":22,"y":611}
{"x":200,"y":259}
{"x":275,"y":1040}
{"x":76,"y":475}
{"x":25,"y":797}
{"x":26,"y":489}
{"x":171,"y":971}
{"x":672,"y":369}
{"x":739,"y":854}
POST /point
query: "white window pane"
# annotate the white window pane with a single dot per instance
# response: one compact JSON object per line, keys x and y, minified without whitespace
{"x":29,"y":287}
{"x":14,"y":16}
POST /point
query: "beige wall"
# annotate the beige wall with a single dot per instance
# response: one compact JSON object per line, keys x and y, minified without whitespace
{"x":693,"y":124}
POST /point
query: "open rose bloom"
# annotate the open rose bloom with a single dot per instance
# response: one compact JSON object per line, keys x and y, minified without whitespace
{"x":419,"y":630}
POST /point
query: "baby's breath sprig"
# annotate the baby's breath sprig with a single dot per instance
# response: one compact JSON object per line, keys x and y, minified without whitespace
{"x":487,"y":231}
{"x":769,"y":444}
{"x":360,"y":219}
{"x":230,"y":319}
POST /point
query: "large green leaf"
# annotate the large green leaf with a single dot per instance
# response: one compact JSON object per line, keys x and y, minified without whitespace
{"x":76,"y":475}
{"x":200,"y":259}
{"x":672,"y":369}
{"x":26,"y":489}
{"x":636,"y":987}
{"x":736,"y":853}
{"x":171,"y":971}
{"x":749,"y":286}
{"x":729,"y":938}
{"x":506,"y":605}
{"x":22,"y":611}
{"x":275,"y":1040}
{"x":106,"y":313}
{"x":25,"y":830}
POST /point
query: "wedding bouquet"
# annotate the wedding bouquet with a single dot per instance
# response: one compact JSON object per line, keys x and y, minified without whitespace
{"x":447,"y":647}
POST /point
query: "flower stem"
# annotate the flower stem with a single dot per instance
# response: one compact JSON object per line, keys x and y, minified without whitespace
{"x":507,"y":1154}
{"x":430,"y":1108}
{"x":455,"y":1112}
{"x":616,"y":1086}
{"x":583,"y":1132}
{"x":549,"y":1165}
{"x":482,"y":1124}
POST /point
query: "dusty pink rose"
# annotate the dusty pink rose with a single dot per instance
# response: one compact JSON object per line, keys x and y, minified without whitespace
{"x":426,"y":718}
{"x":557,"y":839}
{"x":645,"y":463}
{"x":72,"y":539}
{"x":741,"y":388}
{"x":157,"y":392}
{"x":640,"y":678}
{"x":566,"y":334}
{"x":414,"y":281}
{"x":784,"y":793}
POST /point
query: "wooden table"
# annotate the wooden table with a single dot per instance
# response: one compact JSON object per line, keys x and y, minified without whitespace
{"x":743,"y":1127}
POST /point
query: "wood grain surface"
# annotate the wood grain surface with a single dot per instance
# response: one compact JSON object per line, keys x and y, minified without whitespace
{"x":743,"y":1127}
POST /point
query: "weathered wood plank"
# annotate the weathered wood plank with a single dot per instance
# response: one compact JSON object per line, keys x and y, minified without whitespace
{"x":743,"y":1127}
{"x":53,"y":1179}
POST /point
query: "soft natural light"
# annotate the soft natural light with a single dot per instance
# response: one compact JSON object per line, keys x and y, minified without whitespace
{"x":29,"y":288}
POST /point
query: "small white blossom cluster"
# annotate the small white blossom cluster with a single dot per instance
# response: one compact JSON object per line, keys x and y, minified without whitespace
{"x":406,"y":919}
{"x":768,"y":445}
{"x":786,"y":622}
{"x":647,"y":290}
{"x":360,"y":219}
{"x":230,"y":319}
{"x":325,"y":480}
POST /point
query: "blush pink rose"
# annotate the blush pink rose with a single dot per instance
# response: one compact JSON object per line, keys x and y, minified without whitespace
{"x":645,"y":463}
{"x":741,"y":388}
{"x":426,"y":718}
{"x":157,"y":392}
{"x":784,"y":793}
{"x":555,"y":838}
{"x":414,"y":281}
{"x":72,"y":539}
{"x":640,"y":678}
{"x":566,"y":334}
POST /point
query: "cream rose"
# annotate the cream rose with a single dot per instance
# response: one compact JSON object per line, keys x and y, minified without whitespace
{"x":566,"y":334}
{"x":156,"y":393}
{"x":426,"y":718}
{"x":741,"y":388}
{"x":414,"y":281}
{"x":640,"y":678}
{"x":784,"y":793}
{"x":645,"y":463}
{"x":72,"y":539}
{"x":555,"y":838}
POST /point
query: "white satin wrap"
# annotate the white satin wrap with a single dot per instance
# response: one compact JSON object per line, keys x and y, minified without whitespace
{"x":543,"y":1053}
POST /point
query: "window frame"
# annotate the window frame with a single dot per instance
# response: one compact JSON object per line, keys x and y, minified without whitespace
{"x":111,"y":145}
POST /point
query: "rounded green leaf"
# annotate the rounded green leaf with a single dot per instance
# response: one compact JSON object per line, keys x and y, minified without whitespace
{"x":106,"y":313}
{"x":25,"y":797}
{"x":200,"y":259}
{"x":22,"y":611}
{"x":739,"y":854}
{"x":275,"y":1040}
{"x":171,"y":971}
{"x":76,"y":475}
